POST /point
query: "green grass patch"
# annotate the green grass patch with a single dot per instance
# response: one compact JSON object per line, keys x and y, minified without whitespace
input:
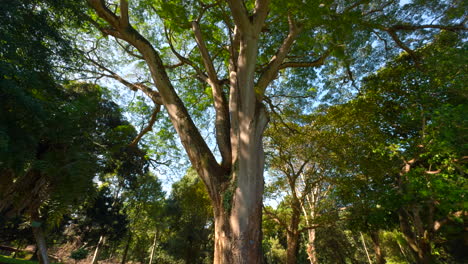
{"x":10,"y":260}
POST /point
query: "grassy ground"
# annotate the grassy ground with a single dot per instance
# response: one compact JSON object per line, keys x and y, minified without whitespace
{"x":10,"y":260}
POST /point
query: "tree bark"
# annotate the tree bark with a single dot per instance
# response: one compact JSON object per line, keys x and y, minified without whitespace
{"x":293,"y":247}
{"x":365,"y":248}
{"x":311,"y":251}
{"x":96,"y":251}
{"x":293,"y":233}
{"x":40,"y":239}
{"x":238,"y":210}
{"x":380,"y":256}
{"x":153,"y":247}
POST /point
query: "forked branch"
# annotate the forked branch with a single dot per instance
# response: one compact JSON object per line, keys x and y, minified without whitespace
{"x":197,"y":150}
{"x":148,"y":127}
{"x":301,"y":64}
{"x":271,"y":70}
{"x":220,"y":103}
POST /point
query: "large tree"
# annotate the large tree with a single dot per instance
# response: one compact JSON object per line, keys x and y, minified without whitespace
{"x":239,"y":49}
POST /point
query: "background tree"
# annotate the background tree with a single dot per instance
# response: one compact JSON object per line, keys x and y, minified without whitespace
{"x":297,"y":162}
{"x":54,"y":136}
{"x":190,"y":221}
{"x":409,"y":118}
{"x":144,"y":205}
{"x":27,"y":124}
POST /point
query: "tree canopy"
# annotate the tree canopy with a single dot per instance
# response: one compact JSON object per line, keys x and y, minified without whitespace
{"x":360,"y":105}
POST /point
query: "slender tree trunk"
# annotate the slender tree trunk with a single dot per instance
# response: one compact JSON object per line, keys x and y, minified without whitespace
{"x":402,"y":251}
{"x":153,"y":248}
{"x":96,"y":251}
{"x":127,"y":246}
{"x":311,"y":251}
{"x":365,"y":248}
{"x":40,"y":239}
{"x":380,"y":257}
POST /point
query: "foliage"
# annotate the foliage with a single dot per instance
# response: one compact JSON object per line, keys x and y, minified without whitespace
{"x":392,"y":144}
{"x":404,"y":147}
{"x":144,"y":206}
{"x":337,"y":245}
{"x":103,"y":217}
{"x":190,"y":220}
{"x":79,"y":254}
{"x":54,"y":137}
{"x":274,"y":251}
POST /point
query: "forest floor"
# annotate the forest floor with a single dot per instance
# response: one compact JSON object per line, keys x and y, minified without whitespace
{"x":10,"y":260}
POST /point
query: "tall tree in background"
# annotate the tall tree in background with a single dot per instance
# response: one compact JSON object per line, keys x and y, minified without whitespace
{"x":144,"y":207}
{"x":405,"y":146}
{"x":190,"y":221}
{"x":30,"y":46}
{"x":297,"y":162}
{"x":54,"y":137}
{"x":239,"y":49}
{"x":425,"y":132}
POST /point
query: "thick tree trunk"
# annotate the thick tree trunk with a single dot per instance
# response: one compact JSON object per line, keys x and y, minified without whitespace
{"x":40,"y":240}
{"x":311,"y":251}
{"x":379,"y":254}
{"x":238,"y":215}
{"x":236,"y":185}
{"x":293,"y":247}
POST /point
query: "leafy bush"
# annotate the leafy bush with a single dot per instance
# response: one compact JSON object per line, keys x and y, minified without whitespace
{"x":79,"y":254}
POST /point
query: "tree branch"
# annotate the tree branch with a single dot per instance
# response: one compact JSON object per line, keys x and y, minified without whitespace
{"x":271,"y":70}
{"x":275,"y":218}
{"x":240,"y":14}
{"x":260,"y":13}
{"x":205,"y":8}
{"x":149,"y":127}
{"x":459,"y":27}
{"x":402,"y":45}
{"x":101,"y":9}
{"x":124,"y":13}
{"x":200,"y":74}
{"x":127,"y":49}
{"x":199,"y":153}
{"x":152,"y":94}
{"x":300,"y":64}
{"x":222,"y":122}
{"x":401,"y":27}
{"x":279,"y":116}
